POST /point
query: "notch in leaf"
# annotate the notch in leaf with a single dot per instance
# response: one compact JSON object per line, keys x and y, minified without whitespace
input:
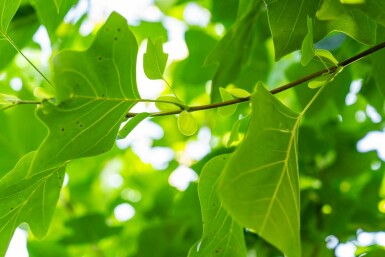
{"x":154,"y":60}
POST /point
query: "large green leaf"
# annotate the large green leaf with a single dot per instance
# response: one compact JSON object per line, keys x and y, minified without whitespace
{"x":259,"y":185}
{"x":222,"y":236}
{"x":27,"y":198}
{"x":95,"y":89}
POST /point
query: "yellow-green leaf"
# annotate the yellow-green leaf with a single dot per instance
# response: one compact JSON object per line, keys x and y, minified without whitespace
{"x":187,"y":124}
{"x":238,"y":92}
{"x":154,"y":60}
{"x":227,"y":110}
{"x":323,"y":53}
{"x":168,"y":103}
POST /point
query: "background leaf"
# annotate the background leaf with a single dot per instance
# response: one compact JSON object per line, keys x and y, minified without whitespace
{"x":259,"y":185}
{"x":154,"y":60}
{"x":222,"y":236}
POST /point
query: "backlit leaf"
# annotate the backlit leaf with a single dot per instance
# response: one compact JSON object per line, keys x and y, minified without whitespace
{"x":154,"y":60}
{"x":259,"y":185}
{"x":95,"y":89}
{"x":168,"y":107}
{"x":27,"y":198}
{"x":228,"y":110}
{"x":186,"y":123}
{"x":323,"y":53}
{"x":238,"y":92}
{"x":222,"y":236}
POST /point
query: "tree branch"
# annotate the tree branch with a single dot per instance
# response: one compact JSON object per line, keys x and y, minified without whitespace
{"x":309,"y":77}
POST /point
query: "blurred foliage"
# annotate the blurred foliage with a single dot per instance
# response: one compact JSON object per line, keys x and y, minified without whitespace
{"x":234,"y":43}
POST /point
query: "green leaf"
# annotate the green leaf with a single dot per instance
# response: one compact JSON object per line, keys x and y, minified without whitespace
{"x":259,"y":185}
{"x":323,"y":53}
{"x":95,"y":90}
{"x":287,"y":19}
{"x":234,"y":135}
{"x":335,"y":16}
{"x":131,"y":124}
{"x":186,"y":123}
{"x":164,"y":106}
{"x":307,"y":48}
{"x":319,"y":82}
{"x":222,"y":236}
{"x":228,"y":110}
{"x":8,"y":9}
{"x":251,"y":62}
{"x":27,"y":198}
{"x":154,"y":60}
{"x":238,"y":92}
{"x":8,"y":99}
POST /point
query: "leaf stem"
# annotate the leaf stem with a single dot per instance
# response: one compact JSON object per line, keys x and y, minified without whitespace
{"x":329,"y":70}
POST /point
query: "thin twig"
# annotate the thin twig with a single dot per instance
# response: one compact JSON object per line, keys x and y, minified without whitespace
{"x":329,"y":70}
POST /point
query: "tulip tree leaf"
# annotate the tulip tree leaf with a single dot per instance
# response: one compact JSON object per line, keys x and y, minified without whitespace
{"x":29,"y":199}
{"x":259,"y":185}
{"x":95,"y":89}
{"x":222,"y":236}
{"x":154,"y":60}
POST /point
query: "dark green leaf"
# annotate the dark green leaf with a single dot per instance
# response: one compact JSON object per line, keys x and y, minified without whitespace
{"x":222,"y":236}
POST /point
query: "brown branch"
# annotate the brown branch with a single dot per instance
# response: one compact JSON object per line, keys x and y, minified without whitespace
{"x":309,"y":77}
